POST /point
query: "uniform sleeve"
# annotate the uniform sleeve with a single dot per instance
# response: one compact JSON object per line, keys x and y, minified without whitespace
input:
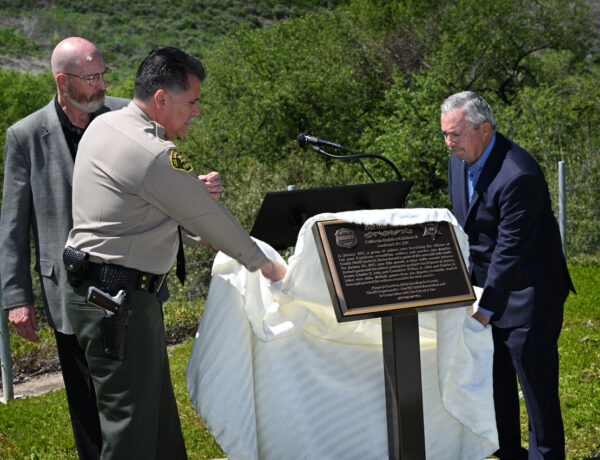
{"x":171,"y":186}
{"x":190,"y":239}
{"x":15,"y":223}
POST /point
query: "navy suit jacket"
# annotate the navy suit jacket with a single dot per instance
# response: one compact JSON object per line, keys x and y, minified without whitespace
{"x":515,"y":247}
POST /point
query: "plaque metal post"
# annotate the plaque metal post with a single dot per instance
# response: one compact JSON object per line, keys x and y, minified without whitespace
{"x":403,"y":388}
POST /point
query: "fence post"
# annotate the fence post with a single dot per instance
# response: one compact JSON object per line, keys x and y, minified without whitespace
{"x":7,"y":379}
{"x":562,"y":206}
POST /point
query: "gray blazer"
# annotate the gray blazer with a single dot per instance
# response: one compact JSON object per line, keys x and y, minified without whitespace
{"x":38,"y":173}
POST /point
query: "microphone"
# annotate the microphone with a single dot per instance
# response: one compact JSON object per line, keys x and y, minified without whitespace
{"x":304,"y":138}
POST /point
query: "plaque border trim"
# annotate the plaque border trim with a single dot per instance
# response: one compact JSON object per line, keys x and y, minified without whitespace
{"x":337,"y":294}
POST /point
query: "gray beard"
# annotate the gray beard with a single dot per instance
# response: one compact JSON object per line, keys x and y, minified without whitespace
{"x":87,"y":107}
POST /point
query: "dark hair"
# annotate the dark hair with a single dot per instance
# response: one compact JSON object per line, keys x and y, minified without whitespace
{"x":166,"y":68}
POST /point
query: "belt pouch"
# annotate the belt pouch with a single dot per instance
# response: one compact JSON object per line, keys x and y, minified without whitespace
{"x":77,"y":265}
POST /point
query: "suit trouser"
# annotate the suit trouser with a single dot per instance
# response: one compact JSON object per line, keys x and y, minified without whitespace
{"x":137,"y":406}
{"x":80,"y":396}
{"x":531,"y":353}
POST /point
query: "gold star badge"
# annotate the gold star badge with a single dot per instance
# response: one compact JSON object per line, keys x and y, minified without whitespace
{"x":180,"y":163}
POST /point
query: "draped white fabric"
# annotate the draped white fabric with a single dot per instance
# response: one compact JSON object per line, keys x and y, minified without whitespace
{"x":275,"y":376}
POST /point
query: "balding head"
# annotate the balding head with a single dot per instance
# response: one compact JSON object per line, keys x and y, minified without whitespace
{"x":73,"y":55}
{"x":74,"y":61}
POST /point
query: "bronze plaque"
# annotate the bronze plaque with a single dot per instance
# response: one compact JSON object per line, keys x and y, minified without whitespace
{"x":377,"y":270}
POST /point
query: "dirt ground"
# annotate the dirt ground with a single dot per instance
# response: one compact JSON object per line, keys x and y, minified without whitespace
{"x":42,"y":383}
{"x":36,"y":386}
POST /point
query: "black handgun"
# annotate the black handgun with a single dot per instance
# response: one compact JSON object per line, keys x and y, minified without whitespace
{"x":105,"y":301}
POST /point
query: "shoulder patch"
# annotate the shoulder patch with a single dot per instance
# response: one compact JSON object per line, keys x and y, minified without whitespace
{"x":180,"y":163}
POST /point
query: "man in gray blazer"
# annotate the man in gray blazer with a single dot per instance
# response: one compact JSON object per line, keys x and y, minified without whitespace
{"x":38,"y":167}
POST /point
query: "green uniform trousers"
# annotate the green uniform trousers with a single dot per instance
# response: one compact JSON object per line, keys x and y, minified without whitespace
{"x":136,"y":403}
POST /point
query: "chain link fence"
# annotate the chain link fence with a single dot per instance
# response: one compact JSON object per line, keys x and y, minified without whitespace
{"x":579,"y":220}
{"x":582,"y":228}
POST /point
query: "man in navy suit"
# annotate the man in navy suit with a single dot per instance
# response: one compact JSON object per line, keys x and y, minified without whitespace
{"x":500,"y":197}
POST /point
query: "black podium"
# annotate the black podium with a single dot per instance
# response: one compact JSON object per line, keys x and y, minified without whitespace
{"x":282,"y":214}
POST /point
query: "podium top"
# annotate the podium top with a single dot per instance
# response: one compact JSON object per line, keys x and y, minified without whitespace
{"x":282,"y":214}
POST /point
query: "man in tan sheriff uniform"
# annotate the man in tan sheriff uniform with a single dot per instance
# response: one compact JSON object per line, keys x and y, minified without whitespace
{"x":132,"y":190}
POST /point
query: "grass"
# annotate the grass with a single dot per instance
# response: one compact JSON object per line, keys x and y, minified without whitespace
{"x":579,"y":348}
{"x":39,"y":428}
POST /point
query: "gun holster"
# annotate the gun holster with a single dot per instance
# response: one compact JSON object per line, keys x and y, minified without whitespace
{"x":114,"y":333}
{"x":77,"y":265}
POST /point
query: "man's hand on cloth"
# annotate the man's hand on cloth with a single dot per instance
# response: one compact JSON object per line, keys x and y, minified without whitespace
{"x":481,"y":317}
{"x":273,"y":271}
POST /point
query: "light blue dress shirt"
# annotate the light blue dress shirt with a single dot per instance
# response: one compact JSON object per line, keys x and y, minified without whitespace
{"x":474,"y":169}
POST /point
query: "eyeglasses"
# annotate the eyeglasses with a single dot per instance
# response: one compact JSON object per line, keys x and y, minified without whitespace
{"x":91,"y":79}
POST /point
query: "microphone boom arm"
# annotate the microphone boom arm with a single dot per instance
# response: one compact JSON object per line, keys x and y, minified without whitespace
{"x":358,"y":156}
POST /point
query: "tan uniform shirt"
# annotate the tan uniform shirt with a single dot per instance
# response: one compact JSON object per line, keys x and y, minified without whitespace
{"x":131,"y":188}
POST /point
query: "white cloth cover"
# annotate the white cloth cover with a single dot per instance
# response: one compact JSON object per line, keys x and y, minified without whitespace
{"x":275,"y":376}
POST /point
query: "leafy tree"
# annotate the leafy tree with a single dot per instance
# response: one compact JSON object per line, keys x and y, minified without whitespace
{"x":370,"y":74}
{"x":263,"y":88}
{"x":498,"y":59}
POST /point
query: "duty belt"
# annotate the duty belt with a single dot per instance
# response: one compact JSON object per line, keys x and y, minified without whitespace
{"x":118,"y":277}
